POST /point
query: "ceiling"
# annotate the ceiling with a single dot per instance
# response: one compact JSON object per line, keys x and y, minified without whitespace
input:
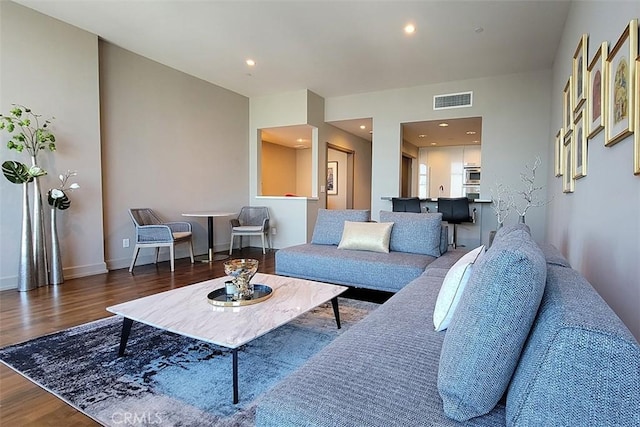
{"x":333,"y":48}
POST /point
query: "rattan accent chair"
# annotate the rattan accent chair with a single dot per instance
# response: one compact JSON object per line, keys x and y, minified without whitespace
{"x":153,"y":232}
{"x":252,"y":221}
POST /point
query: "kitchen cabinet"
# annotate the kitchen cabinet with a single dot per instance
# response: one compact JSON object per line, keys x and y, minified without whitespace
{"x":471,"y":155}
{"x":446,"y":168}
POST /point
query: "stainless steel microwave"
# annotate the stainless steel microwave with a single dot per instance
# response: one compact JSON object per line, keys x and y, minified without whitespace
{"x":471,"y":176}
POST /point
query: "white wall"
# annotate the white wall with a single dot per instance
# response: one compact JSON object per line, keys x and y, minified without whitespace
{"x":52,"y":68}
{"x":515,"y":131}
{"x":598,"y":226}
{"x":171,"y":142}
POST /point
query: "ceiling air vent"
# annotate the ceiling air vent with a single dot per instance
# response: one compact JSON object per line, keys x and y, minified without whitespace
{"x":452,"y":100}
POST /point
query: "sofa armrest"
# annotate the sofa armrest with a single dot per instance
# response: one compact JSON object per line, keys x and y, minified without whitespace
{"x":580,"y":365}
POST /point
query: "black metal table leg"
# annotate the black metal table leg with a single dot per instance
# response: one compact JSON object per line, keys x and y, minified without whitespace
{"x":336,"y":312}
{"x":235,"y":375}
{"x":124,"y":337}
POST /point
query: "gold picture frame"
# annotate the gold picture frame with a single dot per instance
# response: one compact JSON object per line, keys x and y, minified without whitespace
{"x":636,"y":144}
{"x":596,"y":91}
{"x":579,"y":74}
{"x":620,"y":74}
{"x":580,"y":147}
{"x":567,"y":108}
{"x":559,"y":150}
{"x":568,"y":182}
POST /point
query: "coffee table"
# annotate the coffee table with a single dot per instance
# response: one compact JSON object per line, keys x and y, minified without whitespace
{"x":186,"y":311}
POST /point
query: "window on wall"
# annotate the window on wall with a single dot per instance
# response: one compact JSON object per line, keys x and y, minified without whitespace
{"x":423,"y":180}
{"x":286,"y":161}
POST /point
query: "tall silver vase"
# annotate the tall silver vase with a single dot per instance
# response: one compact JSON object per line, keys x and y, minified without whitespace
{"x":56,"y":263}
{"x":26,"y":276}
{"x":39,"y":238}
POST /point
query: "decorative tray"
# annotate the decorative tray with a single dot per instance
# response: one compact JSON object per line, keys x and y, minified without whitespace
{"x":219,"y":297}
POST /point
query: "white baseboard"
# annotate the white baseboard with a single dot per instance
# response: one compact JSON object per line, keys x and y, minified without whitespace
{"x":11,"y":282}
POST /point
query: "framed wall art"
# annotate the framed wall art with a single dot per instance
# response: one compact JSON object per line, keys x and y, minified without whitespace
{"x":567,"y":109}
{"x":620,"y":74}
{"x":567,"y":178}
{"x":636,"y":144}
{"x":559,"y":149}
{"x":596,"y":93}
{"x":332,"y":178}
{"x":579,"y":74}
{"x":579,"y":147}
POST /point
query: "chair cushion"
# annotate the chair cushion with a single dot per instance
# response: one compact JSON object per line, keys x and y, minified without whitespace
{"x":248,"y":228}
{"x":179,"y":235}
{"x":483,"y":343}
{"x":417,"y":233}
{"x":452,"y":288}
{"x":329,"y":224}
{"x":366,"y":236}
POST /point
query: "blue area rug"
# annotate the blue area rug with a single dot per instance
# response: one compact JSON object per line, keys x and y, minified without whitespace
{"x":166,"y":379}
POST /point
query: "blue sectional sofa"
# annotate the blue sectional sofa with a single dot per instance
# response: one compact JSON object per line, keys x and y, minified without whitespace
{"x":531,"y":343}
{"x":416,"y":240}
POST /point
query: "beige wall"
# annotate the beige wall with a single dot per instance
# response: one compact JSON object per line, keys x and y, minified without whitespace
{"x":338,"y":201}
{"x":279,"y":171}
{"x":598,"y":226}
{"x":52,"y":68}
{"x":171,"y":142}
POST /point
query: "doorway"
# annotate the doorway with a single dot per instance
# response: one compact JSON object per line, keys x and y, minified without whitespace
{"x":340,"y":174}
{"x":407,"y":176}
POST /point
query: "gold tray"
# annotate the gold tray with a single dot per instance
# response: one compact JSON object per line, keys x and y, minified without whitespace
{"x":219,"y":297}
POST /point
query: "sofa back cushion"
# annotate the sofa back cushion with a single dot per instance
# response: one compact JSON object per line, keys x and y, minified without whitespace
{"x":490,"y":325}
{"x":330,"y":223}
{"x":580,"y":365}
{"x":417,"y":233}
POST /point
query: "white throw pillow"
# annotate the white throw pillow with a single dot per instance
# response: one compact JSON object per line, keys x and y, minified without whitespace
{"x":452,"y":288}
{"x":366,"y":236}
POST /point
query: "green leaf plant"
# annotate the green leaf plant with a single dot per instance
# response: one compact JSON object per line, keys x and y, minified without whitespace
{"x":28,"y":131}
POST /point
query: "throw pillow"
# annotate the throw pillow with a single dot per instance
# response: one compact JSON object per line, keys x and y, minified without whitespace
{"x":417,"y":233}
{"x":366,"y":236}
{"x":329,"y":224}
{"x":452,"y":288}
{"x":488,"y":330}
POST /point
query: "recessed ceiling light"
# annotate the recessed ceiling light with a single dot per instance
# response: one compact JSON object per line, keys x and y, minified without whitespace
{"x":476,"y":141}
{"x":251,"y":62}
{"x":300,"y":140}
{"x":471,"y":132}
{"x":422,"y":135}
{"x":434,"y":143}
{"x":410,"y":29}
{"x":443,"y":125}
{"x":363,"y":127}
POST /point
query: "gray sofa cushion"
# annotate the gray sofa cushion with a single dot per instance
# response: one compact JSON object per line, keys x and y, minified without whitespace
{"x":417,"y":233}
{"x":329,"y":224}
{"x":580,"y":365}
{"x":326,"y":263}
{"x":381,"y":372}
{"x":489,"y":328}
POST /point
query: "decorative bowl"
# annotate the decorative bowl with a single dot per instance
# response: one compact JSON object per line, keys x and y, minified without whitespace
{"x":242,"y":270}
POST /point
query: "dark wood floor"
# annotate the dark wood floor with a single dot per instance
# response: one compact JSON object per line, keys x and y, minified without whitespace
{"x":26,"y":315}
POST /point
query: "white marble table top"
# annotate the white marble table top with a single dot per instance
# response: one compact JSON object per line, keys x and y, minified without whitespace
{"x":186,"y":311}
{"x":209,"y":213}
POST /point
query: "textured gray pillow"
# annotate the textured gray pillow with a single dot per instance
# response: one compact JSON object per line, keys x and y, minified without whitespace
{"x":416,"y":233}
{"x":483,"y":343}
{"x":330,"y":223}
